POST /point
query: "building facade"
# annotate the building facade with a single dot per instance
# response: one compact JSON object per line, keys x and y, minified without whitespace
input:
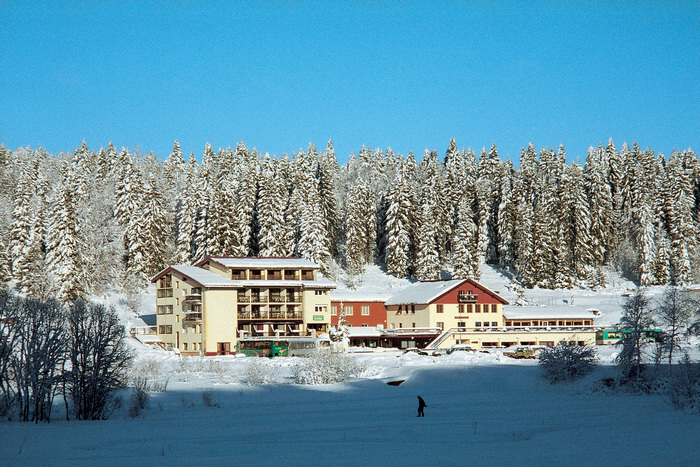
{"x":204,"y":309}
{"x":360,"y":310}
{"x":465,"y":312}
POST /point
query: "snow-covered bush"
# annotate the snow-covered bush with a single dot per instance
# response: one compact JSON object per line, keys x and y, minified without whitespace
{"x":149,"y":374}
{"x":566,"y":362}
{"x":325,"y":367}
{"x":259,"y":371}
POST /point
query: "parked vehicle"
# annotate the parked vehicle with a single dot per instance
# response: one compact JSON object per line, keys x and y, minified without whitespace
{"x":439,"y":352}
{"x":415,"y":350}
{"x":460,"y":348}
{"x":530,"y":351}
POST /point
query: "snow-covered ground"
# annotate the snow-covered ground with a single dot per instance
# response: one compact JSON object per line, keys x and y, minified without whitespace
{"x":483,"y":408}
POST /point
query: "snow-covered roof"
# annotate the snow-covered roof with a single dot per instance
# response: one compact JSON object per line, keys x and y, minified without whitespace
{"x":203,"y":277}
{"x":364,"y":331}
{"x":358,"y":296}
{"x":209,"y":279}
{"x":546,"y":312}
{"x":264,"y":263}
{"x":422,"y":293}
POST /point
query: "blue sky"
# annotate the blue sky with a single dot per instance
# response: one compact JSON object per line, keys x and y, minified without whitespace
{"x":410,"y":75}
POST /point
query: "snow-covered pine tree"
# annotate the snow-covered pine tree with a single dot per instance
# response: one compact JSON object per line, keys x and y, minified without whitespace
{"x":580,"y":242}
{"x":647,"y":242}
{"x":427,"y":260}
{"x":272,"y":201}
{"x":507,"y":215}
{"x":400,"y":218}
{"x":360,"y":225}
{"x":153,"y":228}
{"x":186,"y":216}
{"x":600,"y":206}
{"x":64,"y":249}
{"x":464,"y":258}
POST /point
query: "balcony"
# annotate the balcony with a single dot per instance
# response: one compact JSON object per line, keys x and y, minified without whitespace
{"x":243,"y":299}
{"x":192,"y":317}
{"x":269,"y":315}
{"x":193,"y":297}
{"x":466,"y":298}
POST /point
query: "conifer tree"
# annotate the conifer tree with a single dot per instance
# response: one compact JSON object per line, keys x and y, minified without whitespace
{"x":464,"y":258}
{"x":427,"y":260}
{"x":399,"y":227}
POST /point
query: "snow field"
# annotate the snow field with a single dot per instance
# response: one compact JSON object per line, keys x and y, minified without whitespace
{"x":482,"y":409}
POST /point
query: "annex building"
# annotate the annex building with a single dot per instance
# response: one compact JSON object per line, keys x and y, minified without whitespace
{"x":205,"y":308}
{"x":443,"y":313}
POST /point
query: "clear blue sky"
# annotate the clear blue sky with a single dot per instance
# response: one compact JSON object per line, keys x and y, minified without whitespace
{"x":409,"y":75}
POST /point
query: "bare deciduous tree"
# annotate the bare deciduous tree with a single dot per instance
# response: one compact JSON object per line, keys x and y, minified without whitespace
{"x":99,"y":359}
{"x":636,"y":317}
{"x":674,"y":311}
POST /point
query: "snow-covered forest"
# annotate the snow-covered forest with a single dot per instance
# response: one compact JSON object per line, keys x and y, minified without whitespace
{"x":104,"y":218}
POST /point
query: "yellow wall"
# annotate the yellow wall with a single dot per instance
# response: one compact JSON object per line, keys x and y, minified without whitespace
{"x":427,"y":316}
{"x":309,"y":302}
{"x":219,"y":318}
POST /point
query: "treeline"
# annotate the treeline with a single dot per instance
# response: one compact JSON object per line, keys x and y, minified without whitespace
{"x":91,"y":221}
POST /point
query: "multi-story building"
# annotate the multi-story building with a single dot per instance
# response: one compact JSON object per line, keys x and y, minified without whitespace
{"x":204,"y":309}
{"x":443,"y":313}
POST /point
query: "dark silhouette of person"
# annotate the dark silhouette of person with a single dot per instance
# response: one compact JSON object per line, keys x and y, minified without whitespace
{"x":421,"y":405}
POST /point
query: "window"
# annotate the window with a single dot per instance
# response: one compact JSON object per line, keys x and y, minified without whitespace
{"x":494,"y":308}
{"x":461,"y":308}
{"x":441,"y":325}
{"x":165,"y":309}
{"x":398,"y":311}
{"x":413,"y":325}
{"x":477,"y":308}
{"x":184,"y":346}
{"x":348,"y":310}
{"x":320,"y":309}
{"x":470,"y":308}
{"x":400,"y":325}
{"x":165,"y":329}
{"x":494,"y":323}
{"x":439,"y":308}
{"x":461,"y":324}
{"x":477,"y":324}
{"x":413,"y":309}
{"x":365,"y":310}
{"x":334,"y":310}
{"x":365,"y":325}
{"x":486,"y":324}
{"x":320,"y":292}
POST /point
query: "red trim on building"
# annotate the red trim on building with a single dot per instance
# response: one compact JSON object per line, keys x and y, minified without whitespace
{"x":483,"y":295}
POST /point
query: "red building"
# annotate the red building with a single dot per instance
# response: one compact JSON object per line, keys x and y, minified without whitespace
{"x":360,"y":310}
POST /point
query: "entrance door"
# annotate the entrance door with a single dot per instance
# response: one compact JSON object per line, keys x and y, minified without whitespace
{"x":223,"y":348}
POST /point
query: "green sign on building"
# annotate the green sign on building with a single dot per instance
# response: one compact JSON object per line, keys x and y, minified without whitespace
{"x":318,"y":317}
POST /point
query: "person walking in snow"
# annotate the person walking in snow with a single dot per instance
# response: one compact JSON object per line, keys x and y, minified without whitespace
{"x":421,"y":405}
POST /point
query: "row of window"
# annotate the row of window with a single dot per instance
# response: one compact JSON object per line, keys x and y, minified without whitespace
{"x":192,"y":347}
{"x":349,"y":310}
{"x":165,"y":329}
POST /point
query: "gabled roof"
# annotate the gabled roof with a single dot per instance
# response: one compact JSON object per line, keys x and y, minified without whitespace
{"x":423,"y":293}
{"x":260,"y":263}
